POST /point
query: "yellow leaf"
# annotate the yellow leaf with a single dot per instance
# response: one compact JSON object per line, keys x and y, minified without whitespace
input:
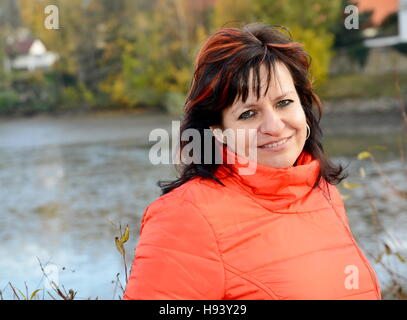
{"x":364,"y":155}
{"x":34,"y":293}
{"x":401,"y":258}
{"x":351,"y":186}
{"x":119,"y":246}
{"x":125,"y":237}
{"x":362,"y":172}
{"x":379,"y":258}
{"x":388,"y":249}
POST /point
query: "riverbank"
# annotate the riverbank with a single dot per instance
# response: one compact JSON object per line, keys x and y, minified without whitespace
{"x":381,"y":115}
{"x":335,"y":105}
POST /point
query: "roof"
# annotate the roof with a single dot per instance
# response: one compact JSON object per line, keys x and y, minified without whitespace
{"x":381,"y":8}
{"x":19,"y":47}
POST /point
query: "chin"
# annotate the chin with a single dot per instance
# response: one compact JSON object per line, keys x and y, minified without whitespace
{"x":276,"y":161}
{"x":277,"y":165}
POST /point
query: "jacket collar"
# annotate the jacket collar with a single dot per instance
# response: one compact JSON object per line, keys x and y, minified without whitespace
{"x":274,"y":188}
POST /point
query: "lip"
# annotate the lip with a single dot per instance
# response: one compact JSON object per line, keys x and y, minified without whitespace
{"x":281,"y":146}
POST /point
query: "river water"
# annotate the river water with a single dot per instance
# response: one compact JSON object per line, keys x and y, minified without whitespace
{"x":65,"y":183}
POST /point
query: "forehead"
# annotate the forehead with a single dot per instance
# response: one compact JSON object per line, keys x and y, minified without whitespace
{"x":280,"y":81}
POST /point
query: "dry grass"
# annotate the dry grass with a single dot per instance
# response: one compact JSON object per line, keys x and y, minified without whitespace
{"x":59,"y":292}
{"x":397,"y":290}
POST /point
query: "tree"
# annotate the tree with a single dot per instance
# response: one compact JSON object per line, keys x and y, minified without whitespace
{"x":158,"y":54}
{"x":309,"y":22}
{"x":9,"y":20}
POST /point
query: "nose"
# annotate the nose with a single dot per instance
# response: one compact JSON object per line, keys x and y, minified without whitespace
{"x":272,"y":123}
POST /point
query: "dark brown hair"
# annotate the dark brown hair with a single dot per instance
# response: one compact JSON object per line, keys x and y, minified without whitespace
{"x":222,"y":70}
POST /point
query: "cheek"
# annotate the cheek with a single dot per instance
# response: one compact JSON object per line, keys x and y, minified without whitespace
{"x":239,"y":138}
{"x":246,"y":138}
{"x":244,"y":141}
{"x":241,"y":133}
{"x":297,"y":119}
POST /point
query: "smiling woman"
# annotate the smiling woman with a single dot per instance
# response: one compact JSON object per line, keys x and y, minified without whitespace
{"x":278,"y":233}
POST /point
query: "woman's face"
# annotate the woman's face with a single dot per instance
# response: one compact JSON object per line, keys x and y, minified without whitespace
{"x":273,"y":118}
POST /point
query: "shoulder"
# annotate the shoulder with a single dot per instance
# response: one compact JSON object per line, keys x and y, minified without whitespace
{"x":335,"y":195}
{"x":189,"y":200}
{"x":338,"y":202}
{"x":195,"y":191}
{"x":177,"y":255}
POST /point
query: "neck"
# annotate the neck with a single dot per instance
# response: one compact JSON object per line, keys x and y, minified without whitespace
{"x":278,"y":186}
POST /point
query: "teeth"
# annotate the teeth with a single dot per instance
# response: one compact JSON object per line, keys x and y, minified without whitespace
{"x":275,"y":144}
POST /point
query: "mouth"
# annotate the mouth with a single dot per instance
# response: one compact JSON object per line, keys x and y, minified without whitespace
{"x":276,"y":145}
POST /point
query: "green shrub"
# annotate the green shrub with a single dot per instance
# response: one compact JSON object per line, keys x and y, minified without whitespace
{"x":174,"y":102}
{"x":8,"y":100}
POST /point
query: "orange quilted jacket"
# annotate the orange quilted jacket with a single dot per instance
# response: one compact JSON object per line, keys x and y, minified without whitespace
{"x":263,"y":236}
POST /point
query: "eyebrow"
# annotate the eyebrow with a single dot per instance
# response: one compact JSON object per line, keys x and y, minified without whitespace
{"x":246,"y":104}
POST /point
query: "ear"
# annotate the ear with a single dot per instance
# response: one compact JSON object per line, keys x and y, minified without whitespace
{"x":217,"y":132}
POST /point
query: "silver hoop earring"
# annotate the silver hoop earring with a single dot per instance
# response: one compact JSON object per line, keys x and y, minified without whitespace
{"x":308,"y":132}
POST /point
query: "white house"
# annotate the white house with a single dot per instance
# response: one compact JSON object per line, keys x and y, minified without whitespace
{"x":28,"y":54}
{"x":402,"y":30}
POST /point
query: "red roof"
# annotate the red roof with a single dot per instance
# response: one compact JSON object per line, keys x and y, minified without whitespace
{"x":381,"y":8}
{"x":19,"y":47}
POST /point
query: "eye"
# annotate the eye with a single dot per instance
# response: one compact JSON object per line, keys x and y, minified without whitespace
{"x":247,"y":114}
{"x":284,"y":103}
